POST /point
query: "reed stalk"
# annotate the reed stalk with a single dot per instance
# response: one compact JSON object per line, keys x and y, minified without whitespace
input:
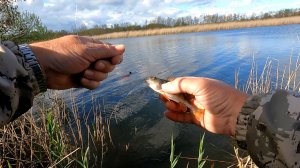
{"x":269,"y":79}
{"x":53,"y":137}
{"x":200,"y":160}
{"x":202,"y":28}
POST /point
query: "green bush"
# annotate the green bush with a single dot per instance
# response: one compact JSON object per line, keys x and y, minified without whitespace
{"x":22,"y":27}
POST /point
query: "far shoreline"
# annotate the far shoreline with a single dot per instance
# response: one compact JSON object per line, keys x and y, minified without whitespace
{"x":202,"y":28}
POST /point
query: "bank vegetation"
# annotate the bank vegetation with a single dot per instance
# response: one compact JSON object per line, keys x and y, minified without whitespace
{"x":202,"y":27}
{"x":59,"y":135}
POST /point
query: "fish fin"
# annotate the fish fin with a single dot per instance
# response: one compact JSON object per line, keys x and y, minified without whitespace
{"x":199,"y":114}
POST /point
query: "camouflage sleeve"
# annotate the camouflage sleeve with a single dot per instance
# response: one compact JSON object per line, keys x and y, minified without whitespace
{"x":269,"y":128}
{"x":18,"y":84}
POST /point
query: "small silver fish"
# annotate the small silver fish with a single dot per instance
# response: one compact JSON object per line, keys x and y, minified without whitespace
{"x":155,"y":84}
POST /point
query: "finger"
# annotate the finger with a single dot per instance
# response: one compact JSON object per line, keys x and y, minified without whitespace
{"x":173,"y":106}
{"x":104,"y":51}
{"x":179,"y":117}
{"x":182,"y":85}
{"x":94,"y":75}
{"x":163,"y":98}
{"x":89,"y":84}
{"x":100,"y":42}
{"x":104,"y":66}
{"x":176,"y":107}
{"x":192,"y":85}
{"x":87,"y":39}
{"x":117,"y":59}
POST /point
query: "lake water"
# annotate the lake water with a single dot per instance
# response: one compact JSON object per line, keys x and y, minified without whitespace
{"x":137,"y":113}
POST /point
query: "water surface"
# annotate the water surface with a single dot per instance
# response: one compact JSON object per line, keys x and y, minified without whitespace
{"x":137,"y":112}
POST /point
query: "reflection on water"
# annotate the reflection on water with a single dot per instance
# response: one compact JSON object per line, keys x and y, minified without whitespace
{"x":137,"y":110}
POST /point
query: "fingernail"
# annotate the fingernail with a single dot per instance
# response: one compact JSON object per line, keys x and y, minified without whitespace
{"x":120,"y":47}
{"x":121,"y":60}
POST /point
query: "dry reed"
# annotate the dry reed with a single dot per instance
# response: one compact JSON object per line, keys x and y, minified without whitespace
{"x":53,"y":137}
{"x":202,"y":28}
{"x":269,"y":79}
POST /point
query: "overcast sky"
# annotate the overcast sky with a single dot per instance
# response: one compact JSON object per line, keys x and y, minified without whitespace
{"x":68,"y":14}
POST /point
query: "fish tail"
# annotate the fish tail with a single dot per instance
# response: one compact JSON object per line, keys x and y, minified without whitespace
{"x":199,"y":114}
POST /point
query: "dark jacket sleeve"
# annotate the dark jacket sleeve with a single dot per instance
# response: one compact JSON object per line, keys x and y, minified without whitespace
{"x":18,"y":85}
{"x":269,"y":128}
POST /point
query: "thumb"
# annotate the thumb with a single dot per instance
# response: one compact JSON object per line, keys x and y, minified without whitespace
{"x":180,"y":85}
{"x":170,"y":87}
{"x":103,"y":51}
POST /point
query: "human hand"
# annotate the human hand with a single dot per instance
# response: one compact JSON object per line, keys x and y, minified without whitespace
{"x":76,"y":61}
{"x":221,"y":102}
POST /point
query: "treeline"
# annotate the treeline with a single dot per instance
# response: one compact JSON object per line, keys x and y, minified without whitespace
{"x":163,"y":22}
{"x":27,"y":27}
{"x":217,"y":18}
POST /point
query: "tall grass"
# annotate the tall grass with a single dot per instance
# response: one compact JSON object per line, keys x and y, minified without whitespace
{"x":202,"y":28}
{"x":273,"y":76}
{"x":200,"y":160}
{"x":173,"y":161}
{"x":53,"y":137}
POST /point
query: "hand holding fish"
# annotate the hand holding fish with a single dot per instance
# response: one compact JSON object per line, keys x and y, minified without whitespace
{"x":221,"y":102}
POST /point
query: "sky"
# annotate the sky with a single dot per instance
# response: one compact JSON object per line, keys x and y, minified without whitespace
{"x":71,"y":14}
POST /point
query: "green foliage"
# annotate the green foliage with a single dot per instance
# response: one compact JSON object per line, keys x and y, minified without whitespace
{"x":154,"y":26}
{"x":55,"y":137}
{"x":84,"y":162}
{"x":8,"y":15}
{"x":22,"y":27}
{"x":41,"y":33}
{"x":104,"y":29}
{"x":94,"y":31}
{"x":200,"y":160}
{"x":15,"y":24}
{"x":8,"y":164}
{"x":173,"y":161}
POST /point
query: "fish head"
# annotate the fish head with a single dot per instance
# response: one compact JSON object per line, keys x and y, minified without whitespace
{"x":155,"y":82}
